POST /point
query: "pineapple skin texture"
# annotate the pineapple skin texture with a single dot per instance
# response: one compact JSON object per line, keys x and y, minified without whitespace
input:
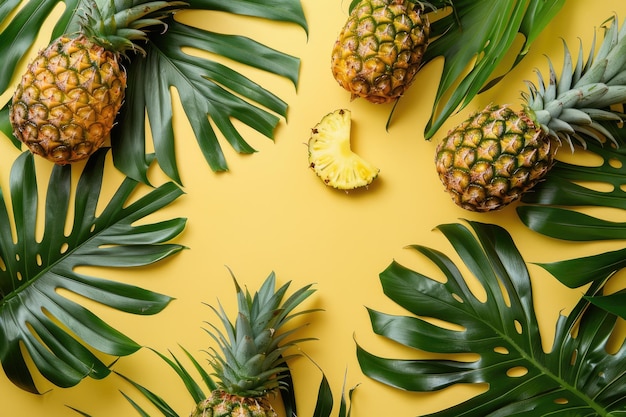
{"x":67,"y":101}
{"x":492,"y":158}
{"x":222,"y":404}
{"x":380,"y":49}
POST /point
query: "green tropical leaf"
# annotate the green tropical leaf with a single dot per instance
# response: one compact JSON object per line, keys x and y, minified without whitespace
{"x":33,"y":270}
{"x":478,"y":34}
{"x":577,"y":376}
{"x":210,"y":91}
{"x":552,"y":209}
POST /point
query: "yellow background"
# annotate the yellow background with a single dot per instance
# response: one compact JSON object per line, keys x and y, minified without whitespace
{"x":271,"y":213}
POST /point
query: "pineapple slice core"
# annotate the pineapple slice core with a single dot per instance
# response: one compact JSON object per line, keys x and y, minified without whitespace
{"x":331,"y":157}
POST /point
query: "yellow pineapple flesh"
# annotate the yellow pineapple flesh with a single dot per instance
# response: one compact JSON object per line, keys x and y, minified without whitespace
{"x":331,"y":156}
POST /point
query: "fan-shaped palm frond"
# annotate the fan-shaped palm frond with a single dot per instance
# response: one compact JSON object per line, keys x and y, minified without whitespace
{"x":209,"y":90}
{"x":59,"y":333}
{"x":578,"y":376}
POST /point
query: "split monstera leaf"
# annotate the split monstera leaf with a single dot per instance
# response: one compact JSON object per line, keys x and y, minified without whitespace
{"x":580,"y":374}
{"x":58,"y":334}
{"x":554,"y":209}
{"x":212,"y":91}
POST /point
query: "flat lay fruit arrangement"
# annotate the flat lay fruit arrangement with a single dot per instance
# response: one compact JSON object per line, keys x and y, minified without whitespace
{"x":288,"y":208}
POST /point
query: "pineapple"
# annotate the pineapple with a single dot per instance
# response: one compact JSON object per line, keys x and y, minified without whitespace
{"x":253,"y":352}
{"x":332,"y":159}
{"x":66,"y":102}
{"x":497,"y":154}
{"x":380,"y":48}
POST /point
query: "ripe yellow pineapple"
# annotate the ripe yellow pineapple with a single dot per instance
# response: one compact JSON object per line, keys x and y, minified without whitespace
{"x":253,"y":352}
{"x":499,"y":153}
{"x":331,"y":157}
{"x":66,"y":102}
{"x":380,"y":48}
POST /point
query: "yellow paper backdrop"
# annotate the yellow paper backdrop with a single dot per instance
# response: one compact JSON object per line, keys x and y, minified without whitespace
{"x":271,"y":213}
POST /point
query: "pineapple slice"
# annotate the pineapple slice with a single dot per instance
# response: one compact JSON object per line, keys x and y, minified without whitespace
{"x":331,"y":157}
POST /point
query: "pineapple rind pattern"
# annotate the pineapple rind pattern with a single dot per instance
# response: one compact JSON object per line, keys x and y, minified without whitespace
{"x":67,"y":101}
{"x":565,"y":109}
{"x":380,"y":49}
{"x":492,"y":158}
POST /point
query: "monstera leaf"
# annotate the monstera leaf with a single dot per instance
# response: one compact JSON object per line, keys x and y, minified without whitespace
{"x":478,"y":34}
{"x":38,"y":319}
{"x":577,"y":377}
{"x":209,"y":90}
{"x":553,"y":209}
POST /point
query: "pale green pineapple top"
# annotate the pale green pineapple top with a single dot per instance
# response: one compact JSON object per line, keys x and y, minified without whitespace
{"x":570,"y":108}
{"x":118,"y":25}
{"x":253,"y":347}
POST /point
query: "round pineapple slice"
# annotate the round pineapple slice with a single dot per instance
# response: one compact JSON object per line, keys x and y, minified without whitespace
{"x":331,"y":157}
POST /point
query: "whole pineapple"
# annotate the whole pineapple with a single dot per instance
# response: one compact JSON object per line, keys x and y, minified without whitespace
{"x":253,"y":352}
{"x":66,"y":102}
{"x":380,"y":48}
{"x":498,"y":154}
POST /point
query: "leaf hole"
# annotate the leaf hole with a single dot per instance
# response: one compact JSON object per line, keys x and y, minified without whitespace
{"x":64,"y":247}
{"x":17,"y":257}
{"x":19,"y":276}
{"x":39,"y":260}
{"x":501,"y":350}
{"x":3,"y":266}
{"x":517,"y":371}
{"x":572,"y":360}
{"x":615,"y":163}
{"x":92,"y":228}
{"x":518,"y":327}
{"x":561,"y":401}
{"x":601,"y":187}
{"x":457,"y":298}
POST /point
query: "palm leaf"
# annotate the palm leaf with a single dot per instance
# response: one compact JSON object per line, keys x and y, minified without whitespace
{"x":578,"y":376}
{"x":210,"y":91}
{"x":553,"y":210}
{"x":478,"y":34}
{"x":58,"y":333}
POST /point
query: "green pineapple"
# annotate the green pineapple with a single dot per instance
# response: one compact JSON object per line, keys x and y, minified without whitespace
{"x":498,"y":154}
{"x":66,"y":102}
{"x":253,"y":352}
{"x":380,"y":48}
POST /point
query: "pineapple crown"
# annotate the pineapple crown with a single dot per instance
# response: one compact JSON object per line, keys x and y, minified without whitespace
{"x":573,"y":107}
{"x":252,"y":359}
{"x":117,"y":25}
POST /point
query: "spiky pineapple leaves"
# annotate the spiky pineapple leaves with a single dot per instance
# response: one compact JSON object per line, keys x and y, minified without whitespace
{"x":37,"y":316}
{"x":554,"y":209}
{"x":212,"y":94}
{"x":579,"y":375}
